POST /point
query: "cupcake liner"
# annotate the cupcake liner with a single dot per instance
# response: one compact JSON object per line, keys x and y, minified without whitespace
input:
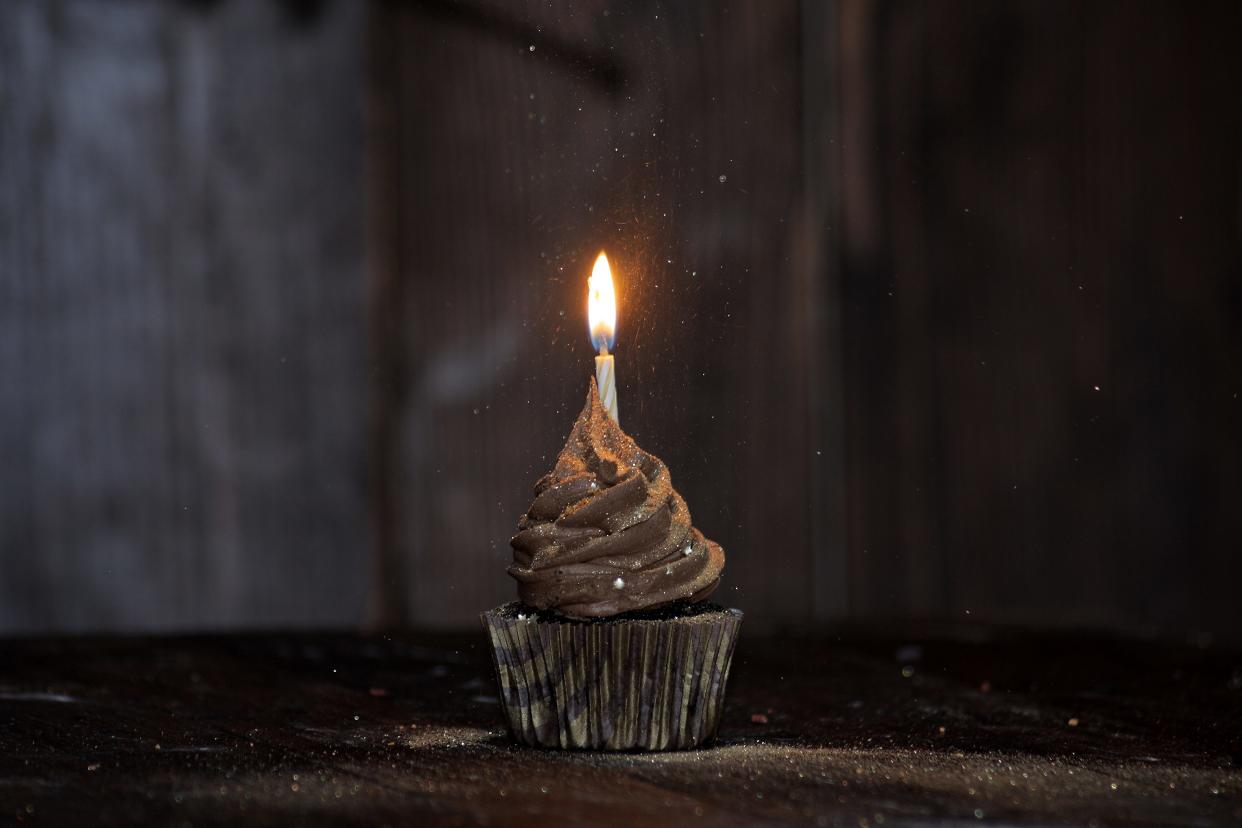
{"x":612,"y":684}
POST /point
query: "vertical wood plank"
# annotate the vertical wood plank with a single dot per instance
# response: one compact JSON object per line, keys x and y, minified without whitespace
{"x":670,"y":134}
{"x":1042,"y":260}
{"x":819,"y":297}
{"x":182,"y":318}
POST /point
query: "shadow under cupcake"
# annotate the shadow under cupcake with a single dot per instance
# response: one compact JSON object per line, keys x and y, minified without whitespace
{"x":611,"y":646}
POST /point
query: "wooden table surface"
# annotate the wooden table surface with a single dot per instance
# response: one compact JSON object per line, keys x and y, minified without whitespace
{"x":860,"y":727}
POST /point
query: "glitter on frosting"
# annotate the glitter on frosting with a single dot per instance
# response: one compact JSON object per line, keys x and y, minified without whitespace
{"x":607,"y":514}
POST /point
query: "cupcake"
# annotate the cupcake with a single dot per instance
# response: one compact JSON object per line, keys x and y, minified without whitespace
{"x":612,"y":645}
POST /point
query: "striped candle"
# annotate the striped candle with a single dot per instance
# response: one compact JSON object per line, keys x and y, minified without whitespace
{"x":606,"y":378}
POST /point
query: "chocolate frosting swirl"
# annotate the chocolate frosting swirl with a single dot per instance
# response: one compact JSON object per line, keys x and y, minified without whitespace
{"x":607,"y":533}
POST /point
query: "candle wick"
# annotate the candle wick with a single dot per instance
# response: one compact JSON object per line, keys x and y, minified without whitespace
{"x":603,"y":349}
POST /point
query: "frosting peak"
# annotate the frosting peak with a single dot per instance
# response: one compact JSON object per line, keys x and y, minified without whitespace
{"x":607,"y":533}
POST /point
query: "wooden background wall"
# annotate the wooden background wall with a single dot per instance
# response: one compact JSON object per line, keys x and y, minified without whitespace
{"x":874,"y":260}
{"x":511,"y":148}
{"x":182,"y":316}
{"x":1043,"y":310}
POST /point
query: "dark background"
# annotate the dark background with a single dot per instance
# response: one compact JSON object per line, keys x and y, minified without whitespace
{"x":933,"y":310}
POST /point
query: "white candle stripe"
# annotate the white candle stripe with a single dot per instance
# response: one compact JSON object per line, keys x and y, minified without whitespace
{"x":605,"y":377}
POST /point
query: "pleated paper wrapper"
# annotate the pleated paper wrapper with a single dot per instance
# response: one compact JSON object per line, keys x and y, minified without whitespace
{"x":612,"y":684}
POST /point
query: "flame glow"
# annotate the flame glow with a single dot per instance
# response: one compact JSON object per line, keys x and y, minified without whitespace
{"x":601,"y":304}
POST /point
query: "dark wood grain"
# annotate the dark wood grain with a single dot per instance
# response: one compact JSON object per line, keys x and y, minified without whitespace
{"x":520,"y":144}
{"x":1041,"y":274}
{"x":930,"y":310}
{"x":183,"y":413}
{"x":951,"y":725}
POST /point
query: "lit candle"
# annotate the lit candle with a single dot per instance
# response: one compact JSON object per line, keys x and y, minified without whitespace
{"x":602,"y":315}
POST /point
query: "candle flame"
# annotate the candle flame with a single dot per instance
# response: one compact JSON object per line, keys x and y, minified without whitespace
{"x":601,"y":304}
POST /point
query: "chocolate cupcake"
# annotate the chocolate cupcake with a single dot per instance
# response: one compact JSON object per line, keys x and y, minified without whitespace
{"x":611,"y":646}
